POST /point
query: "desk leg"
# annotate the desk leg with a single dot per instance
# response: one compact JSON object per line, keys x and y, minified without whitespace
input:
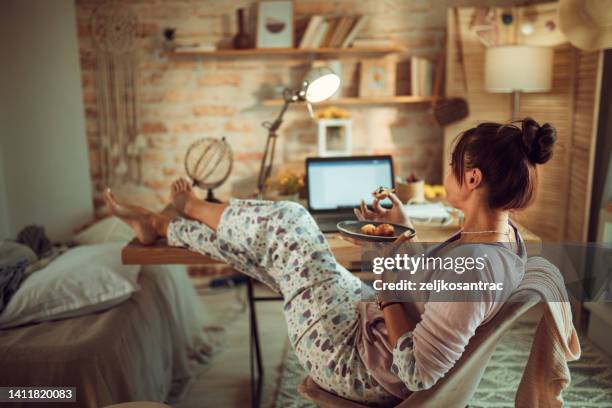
{"x":255,"y":350}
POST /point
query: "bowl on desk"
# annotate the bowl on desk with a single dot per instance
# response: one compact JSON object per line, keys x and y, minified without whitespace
{"x":352,"y":229}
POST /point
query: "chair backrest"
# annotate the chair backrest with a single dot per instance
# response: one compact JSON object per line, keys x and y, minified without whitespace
{"x":458,"y":385}
{"x":456,"y":388}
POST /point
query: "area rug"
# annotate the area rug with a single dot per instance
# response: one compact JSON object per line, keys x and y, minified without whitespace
{"x":591,"y":376}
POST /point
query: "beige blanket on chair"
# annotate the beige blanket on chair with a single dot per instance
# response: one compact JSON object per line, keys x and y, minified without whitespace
{"x":555,"y":343}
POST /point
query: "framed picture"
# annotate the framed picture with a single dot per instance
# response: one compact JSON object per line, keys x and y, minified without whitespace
{"x":377,"y":77}
{"x":275,"y":24}
{"x":334,"y":137}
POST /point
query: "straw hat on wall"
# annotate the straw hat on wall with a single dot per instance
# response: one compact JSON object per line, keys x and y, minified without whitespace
{"x":587,"y":24}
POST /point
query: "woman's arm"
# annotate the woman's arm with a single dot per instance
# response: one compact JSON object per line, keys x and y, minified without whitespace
{"x":397,"y":321}
{"x":397,"y":318}
{"x":425,"y":351}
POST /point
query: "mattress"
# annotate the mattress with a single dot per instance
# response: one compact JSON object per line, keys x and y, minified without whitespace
{"x":149,"y":347}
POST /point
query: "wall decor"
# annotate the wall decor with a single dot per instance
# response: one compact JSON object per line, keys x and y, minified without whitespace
{"x":377,"y":77}
{"x":114,"y":31}
{"x":275,"y":26}
{"x":335,"y":137}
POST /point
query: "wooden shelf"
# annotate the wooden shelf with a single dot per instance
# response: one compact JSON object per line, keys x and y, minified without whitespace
{"x":403,"y":99}
{"x":290,"y":52}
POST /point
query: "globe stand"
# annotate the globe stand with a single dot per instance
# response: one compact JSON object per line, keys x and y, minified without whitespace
{"x":210,"y":197}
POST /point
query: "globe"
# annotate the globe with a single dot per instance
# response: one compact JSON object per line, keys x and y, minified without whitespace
{"x":208,"y":163}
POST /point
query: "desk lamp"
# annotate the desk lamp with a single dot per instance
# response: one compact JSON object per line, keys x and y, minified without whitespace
{"x":518,"y":68}
{"x":319,"y":84}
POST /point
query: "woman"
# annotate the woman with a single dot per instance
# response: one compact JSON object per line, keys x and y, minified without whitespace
{"x":365,"y":352}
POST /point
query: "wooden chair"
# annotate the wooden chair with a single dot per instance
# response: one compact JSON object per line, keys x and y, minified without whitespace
{"x":458,"y":385}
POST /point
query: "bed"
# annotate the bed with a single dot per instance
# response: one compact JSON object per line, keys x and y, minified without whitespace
{"x":150,"y":347}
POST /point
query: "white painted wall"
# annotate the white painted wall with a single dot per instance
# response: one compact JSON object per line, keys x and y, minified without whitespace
{"x":42,"y":129}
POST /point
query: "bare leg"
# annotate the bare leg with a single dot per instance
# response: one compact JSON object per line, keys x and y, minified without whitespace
{"x":147,"y":225}
{"x":188,"y":204}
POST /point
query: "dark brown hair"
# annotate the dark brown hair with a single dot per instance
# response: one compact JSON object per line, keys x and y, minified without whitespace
{"x":506,"y":155}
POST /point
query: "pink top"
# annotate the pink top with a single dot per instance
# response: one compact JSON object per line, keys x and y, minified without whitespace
{"x":423,"y":356}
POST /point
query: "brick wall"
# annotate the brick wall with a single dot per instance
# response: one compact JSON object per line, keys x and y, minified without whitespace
{"x":184,"y":99}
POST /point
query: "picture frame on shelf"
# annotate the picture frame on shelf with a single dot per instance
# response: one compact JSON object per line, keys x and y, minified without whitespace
{"x":275,"y":24}
{"x":377,"y":77}
{"x":334,"y":137}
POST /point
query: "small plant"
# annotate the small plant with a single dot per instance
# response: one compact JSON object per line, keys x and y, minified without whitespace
{"x":412,"y":178}
{"x":332,"y":112}
{"x":288,"y":183}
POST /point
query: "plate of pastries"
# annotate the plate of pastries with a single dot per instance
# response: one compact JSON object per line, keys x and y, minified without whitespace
{"x":373,"y":231}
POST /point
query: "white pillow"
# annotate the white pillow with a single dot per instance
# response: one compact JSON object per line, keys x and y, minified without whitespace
{"x":84,"y":280}
{"x":11,"y":252}
{"x":109,"y":229}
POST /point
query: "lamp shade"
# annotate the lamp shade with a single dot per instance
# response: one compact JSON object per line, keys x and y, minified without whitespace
{"x":521,"y":68}
{"x":320,"y":84}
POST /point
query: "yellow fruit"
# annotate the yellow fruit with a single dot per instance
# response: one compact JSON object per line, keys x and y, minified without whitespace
{"x":429,"y":192}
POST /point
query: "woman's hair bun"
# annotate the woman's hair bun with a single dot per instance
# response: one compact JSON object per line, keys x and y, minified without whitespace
{"x":538,"y":141}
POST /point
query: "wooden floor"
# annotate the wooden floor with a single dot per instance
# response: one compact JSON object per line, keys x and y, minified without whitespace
{"x":226,"y":383}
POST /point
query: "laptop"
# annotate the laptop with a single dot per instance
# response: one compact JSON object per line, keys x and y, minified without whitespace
{"x":336,"y":185}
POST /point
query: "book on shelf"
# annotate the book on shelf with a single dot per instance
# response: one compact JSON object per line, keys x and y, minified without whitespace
{"x":358,"y":25}
{"x":332,"y":32}
{"x":333,"y":26}
{"x":421,"y":76}
{"x":311,"y":31}
{"x":344,"y":25}
{"x":320,"y":33}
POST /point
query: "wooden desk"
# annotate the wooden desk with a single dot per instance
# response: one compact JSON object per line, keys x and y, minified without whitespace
{"x":347,"y":254}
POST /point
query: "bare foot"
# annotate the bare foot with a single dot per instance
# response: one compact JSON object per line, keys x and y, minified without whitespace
{"x":181,"y":194}
{"x":140,"y":219}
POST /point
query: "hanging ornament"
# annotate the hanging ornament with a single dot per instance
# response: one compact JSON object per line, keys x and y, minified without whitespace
{"x":131,"y":150}
{"x":115,"y":151}
{"x":121,"y":168}
{"x":105,"y":142}
{"x":114,"y":29}
{"x":141,"y":142}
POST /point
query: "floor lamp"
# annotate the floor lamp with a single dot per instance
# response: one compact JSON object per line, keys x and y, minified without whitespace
{"x":319,"y":84}
{"x":518,"y":68}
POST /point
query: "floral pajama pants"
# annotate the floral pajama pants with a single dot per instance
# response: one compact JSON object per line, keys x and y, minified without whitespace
{"x":279,"y":244}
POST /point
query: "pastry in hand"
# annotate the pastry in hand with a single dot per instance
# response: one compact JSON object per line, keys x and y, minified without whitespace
{"x":382,"y":192}
{"x":368,"y":229}
{"x":385,"y":230}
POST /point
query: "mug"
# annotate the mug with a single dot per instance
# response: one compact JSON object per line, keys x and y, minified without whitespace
{"x":411,"y":192}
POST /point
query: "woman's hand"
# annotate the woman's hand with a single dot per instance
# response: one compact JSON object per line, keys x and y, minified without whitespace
{"x":395,"y":215}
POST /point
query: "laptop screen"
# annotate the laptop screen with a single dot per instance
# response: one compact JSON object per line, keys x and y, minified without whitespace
{"x":340,"y":183}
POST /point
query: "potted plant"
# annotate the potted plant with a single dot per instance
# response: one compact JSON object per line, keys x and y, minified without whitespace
{"x":287,"y":186}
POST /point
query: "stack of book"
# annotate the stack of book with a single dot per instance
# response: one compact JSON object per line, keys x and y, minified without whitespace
{"x":421,"y":77}
{"x":332,"y":32}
